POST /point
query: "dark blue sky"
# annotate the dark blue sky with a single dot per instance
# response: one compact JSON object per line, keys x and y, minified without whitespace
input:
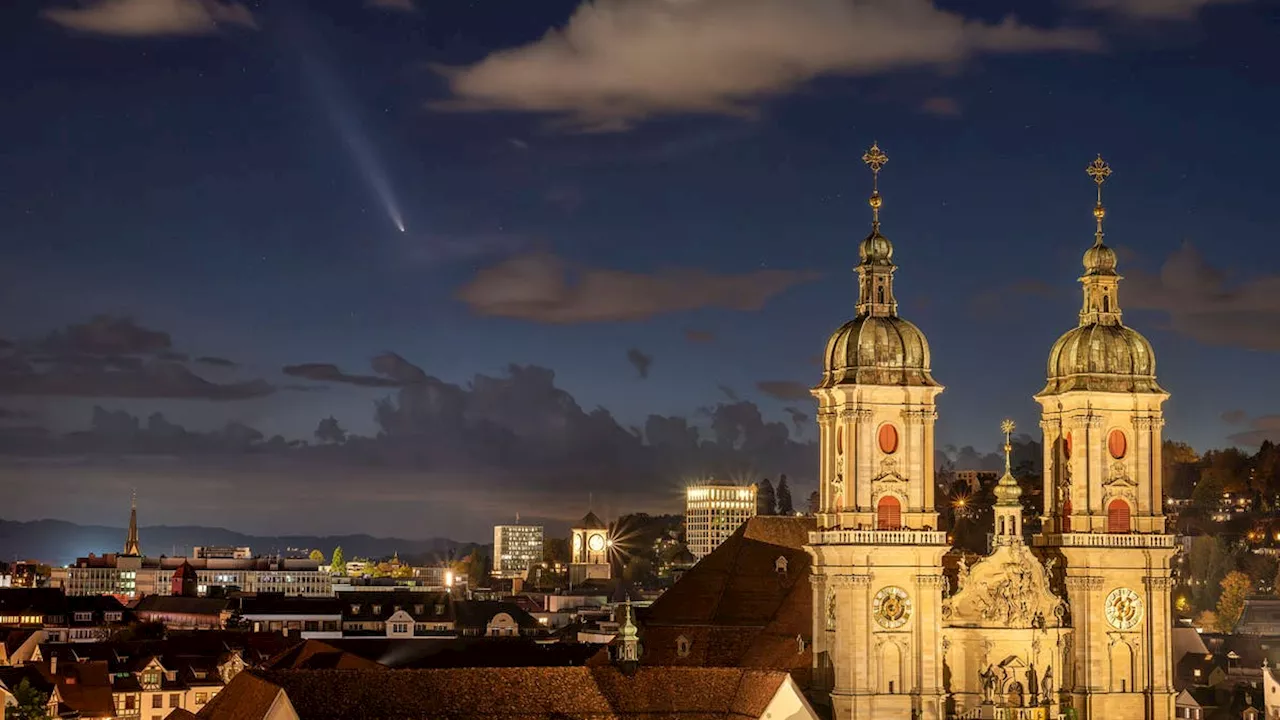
{"x":231,"y":175}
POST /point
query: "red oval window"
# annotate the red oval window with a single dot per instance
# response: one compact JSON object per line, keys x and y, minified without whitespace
{"x":1066,"y":445}
{"x":1116,"y":444}
{"x":888,"y":439}
{"x":839,"y":441}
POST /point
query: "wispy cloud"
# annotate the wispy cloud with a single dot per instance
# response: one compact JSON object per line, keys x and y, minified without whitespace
{"x":406,"y":6}
{"x":616,"y":62}
{"x":1155,"y":9}
{"x":545,"y":288}
{"x":142,"y":18}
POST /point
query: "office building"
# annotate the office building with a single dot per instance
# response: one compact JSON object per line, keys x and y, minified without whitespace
{"x":714,"y":512}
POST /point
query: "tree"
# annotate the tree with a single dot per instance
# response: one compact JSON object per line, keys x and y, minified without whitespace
{"x":555,"y":551}
{"x":374,"y":568}
{"x":404,"y":571}
{"x":338,"y":566}
{"x":784,"y":497}
{"x":1207,"y":494}
{"x":1236,"y":586}
{"x":1207,"y":621}
{"x":317,"y":556}
{"x":815,"y":502}
{"x":329,"y":431}
{"x":30,"y":703}
{"x":1208,"y":562}
{"x":766,"y":501}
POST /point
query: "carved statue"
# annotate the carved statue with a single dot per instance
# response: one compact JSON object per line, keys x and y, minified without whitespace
{"x":989,"y":685}
{"x":831,"y":609}
{"x":1046,"y":685}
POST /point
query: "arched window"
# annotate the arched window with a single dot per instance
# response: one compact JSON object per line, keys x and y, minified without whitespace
{"x":880,"y":294}
{"x":1106,"y":303}
{"x":1118,"y":516}
{"x":1001,"y":530}
{"x":889,"y":513}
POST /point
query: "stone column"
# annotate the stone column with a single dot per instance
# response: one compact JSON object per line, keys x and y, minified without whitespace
{"x":928,"y":592}
{"x":1159,"y":650}
{"x":1050,"y":430}
{"x":864,"y":458}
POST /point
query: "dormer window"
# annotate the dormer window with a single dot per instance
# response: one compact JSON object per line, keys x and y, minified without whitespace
{"x":418,"y":609}
{"x":780,"y":565}
{"x":113,"y":616}
{"x":439,"y":608}
{"x":355,"y":609}
{"x":84,"y":617}
{"x":683,"y":646}
{"x":377,"y":609}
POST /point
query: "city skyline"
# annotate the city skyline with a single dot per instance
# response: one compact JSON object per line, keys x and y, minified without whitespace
{"x":285,"y":214}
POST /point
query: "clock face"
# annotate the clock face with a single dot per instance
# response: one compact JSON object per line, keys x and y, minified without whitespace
{"x":596,"y":543}
{"x":891,"y":607}
{"x":577,"y":542}
{"x":1123,"y":608}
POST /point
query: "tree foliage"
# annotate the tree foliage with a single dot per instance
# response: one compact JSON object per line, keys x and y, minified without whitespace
{"x":30,"y":703}
{"x":785,"y":506}
{"x":317,"y":556}
{"x":338,"y":565}
{"x":330,"y":432}
{"x":1236,"y":586}
{"x":815,"y":502}
{"x":766,"y":499}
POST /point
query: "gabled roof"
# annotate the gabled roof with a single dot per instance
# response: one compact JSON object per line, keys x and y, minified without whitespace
{"x":735,"y":608}
{"x":590,"y":522}
{"x":527,"y":693}
{"x":477,"y":614}
{"x":247,"y":697}
{"x":378,"y":607}
{"x":316,"y":655}
{"x":177,"y":604}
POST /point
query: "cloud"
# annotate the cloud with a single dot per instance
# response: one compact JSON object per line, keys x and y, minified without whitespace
{"x":943,"y":106}
{"x":216,"y":361}
{"x":1154,"y":9}
{"x":151,"y":379}
{"x":616,"y":62}
{"x":406,"y":6}
{"x":327,"y":372}
{"x":1261,"y":429}
{"x":113,"y":357}
{"x":695,"y":335}
{"x":799,"y":418}
{"x":543,"y":288}
{"x":640,"y":362}
{"x":1203,"y":305}
{"x":784,"y":390}
{"x":1234,"y":417}
{"x":729,"y":393}
{"x":506,"y":442}
{"x":141,"y":18}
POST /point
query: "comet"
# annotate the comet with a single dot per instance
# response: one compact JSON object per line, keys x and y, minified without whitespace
{"x":328,"y":91}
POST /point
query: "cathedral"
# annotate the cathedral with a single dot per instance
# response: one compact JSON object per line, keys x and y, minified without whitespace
{"x":1075,"y":624}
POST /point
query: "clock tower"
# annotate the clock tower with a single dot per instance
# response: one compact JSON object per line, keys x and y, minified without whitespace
{"x":589,"y":550}
{"x":877,"y":553}
{"x":1102,"y":418}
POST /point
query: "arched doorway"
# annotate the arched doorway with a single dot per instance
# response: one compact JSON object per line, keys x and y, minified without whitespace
{"x":889,"y":513}
{"x":1118,"y":516}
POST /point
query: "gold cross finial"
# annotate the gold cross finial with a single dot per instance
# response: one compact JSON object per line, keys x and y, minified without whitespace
{"x":1099,"y":170}
{"x":1007,"y":428}
{"x":875,"y":159}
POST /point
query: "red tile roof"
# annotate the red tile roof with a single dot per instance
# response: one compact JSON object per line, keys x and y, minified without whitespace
{"x":564,"y":693}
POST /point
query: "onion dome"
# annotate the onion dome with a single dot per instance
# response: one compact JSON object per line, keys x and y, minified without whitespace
{"x":1007,"y":490}
{"x":1101,"y":353}
{"x":876,"y":347}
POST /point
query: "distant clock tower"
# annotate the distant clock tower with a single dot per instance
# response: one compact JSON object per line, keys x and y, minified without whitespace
{"x":589,"y":554}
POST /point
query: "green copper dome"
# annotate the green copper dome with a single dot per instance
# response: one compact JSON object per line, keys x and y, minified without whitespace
{"x":877,"y":350}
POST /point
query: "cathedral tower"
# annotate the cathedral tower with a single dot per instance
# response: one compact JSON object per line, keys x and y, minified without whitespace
{"x":877,"y":552}
{"x":1101,"y":416}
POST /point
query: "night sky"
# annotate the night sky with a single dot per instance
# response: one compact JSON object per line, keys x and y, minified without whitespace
{"x":628,"y":230}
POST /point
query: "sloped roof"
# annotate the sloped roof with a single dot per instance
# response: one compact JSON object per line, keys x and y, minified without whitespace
{"x":735,"y":607}
{"x":180,"y":714}
{"x":181,"y":605}
{"x":316,"y":655}
{"x":247,"y":697}
{"x":478,"y":614}
{"x":590,"y":522}
{"x":84,"y":687}
{"x":504,"y":693}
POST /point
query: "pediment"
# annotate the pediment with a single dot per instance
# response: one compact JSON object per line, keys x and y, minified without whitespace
{"x":1007,"y":589}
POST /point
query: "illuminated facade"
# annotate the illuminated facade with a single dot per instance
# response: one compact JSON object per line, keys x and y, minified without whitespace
{"x":714,"y":512}
{"x":516,"y":548}
{"x":1083,"y":621}
{"x":589,"y":550}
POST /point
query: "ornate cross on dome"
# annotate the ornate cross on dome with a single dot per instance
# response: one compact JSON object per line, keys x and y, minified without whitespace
{"x":875,"y":159}
{"x":1007,"y":428}
{"x":1099,"y":170}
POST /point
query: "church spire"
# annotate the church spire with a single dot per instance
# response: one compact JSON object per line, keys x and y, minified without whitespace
{"x":875,"y":271}
{"x":1100,"y":279}
{"x":1008,"y":508}
{"x":131,"y":547}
